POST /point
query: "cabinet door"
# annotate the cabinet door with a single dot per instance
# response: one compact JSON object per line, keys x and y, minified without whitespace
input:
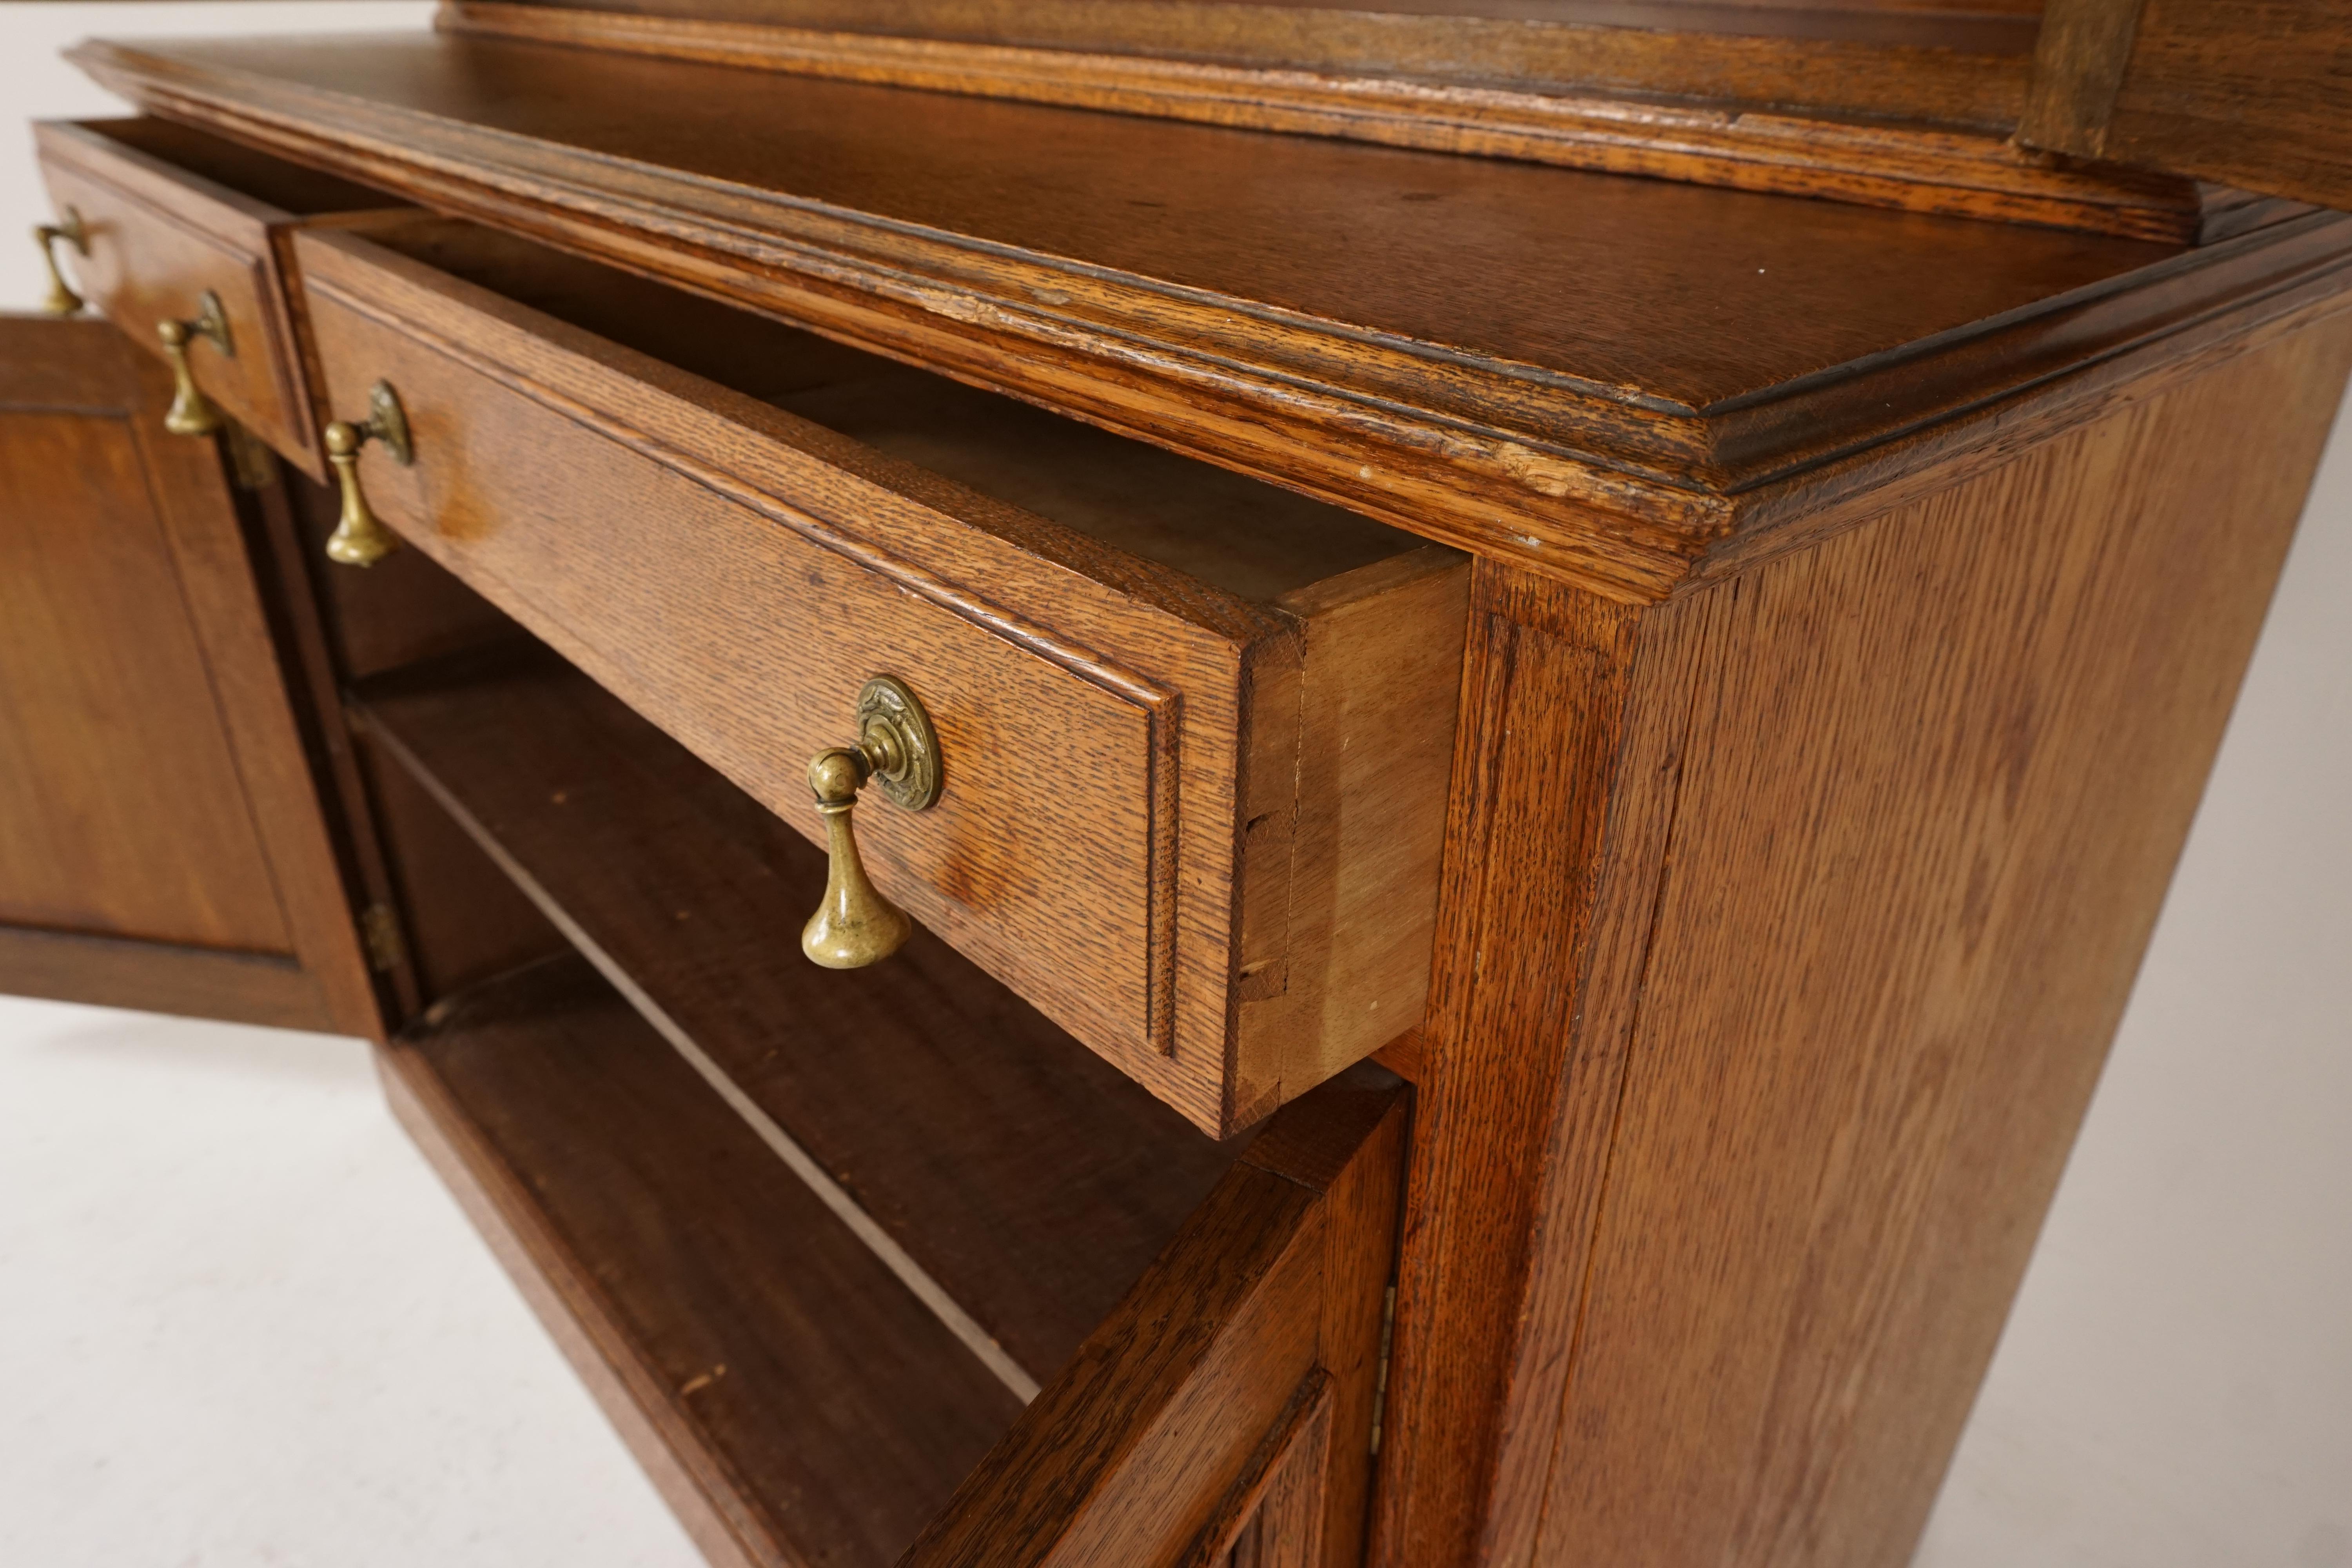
{"x":162,"y":841}
{"x":2256,"y":93}
{"x":1228,"y":1414}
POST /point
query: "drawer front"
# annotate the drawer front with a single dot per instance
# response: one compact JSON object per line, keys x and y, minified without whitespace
{"x":158,"y":240}
{"x":1116,"y":838}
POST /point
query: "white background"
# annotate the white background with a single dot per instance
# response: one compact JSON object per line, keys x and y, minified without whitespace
{"x":240,"y":1323}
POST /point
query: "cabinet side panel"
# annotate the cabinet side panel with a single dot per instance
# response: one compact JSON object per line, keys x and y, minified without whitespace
{"x":1934,"y":776}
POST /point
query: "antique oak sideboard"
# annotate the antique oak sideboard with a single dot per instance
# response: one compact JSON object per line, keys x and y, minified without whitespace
{"x":1142,"y":783}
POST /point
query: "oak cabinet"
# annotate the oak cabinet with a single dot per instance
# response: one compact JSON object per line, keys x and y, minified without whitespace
{"x":1550,"y":784}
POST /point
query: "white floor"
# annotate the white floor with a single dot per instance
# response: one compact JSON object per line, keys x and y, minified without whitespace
{"x":241,"y":1324}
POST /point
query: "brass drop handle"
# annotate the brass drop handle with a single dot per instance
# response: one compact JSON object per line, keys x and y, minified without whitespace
{"x":62,"y":300}
{"x":360,"y":538}
{"x":896,"y":750}
{"x":191,"y":413}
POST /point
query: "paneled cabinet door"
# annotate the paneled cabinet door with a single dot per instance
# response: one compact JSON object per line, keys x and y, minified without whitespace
{"x":161,"y":840}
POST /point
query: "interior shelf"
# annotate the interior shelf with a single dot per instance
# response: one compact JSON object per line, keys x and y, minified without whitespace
{"x":1017,"y":1183}
{"x":709,"y":1298}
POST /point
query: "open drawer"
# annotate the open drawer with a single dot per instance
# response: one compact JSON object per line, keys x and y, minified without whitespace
{"x":1195,"y":732}
{"x":161,"y":223}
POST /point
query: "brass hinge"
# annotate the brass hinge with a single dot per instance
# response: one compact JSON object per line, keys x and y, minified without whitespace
{"x":380,"y":929}
{"x":1381,"y":1378}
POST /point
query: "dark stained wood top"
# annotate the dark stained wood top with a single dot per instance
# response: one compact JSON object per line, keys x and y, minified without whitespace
{"x":1031,"y":1180}
{"x":791,"y":1372}
{"x":1597,"y":374}
{"x":1683,"y":294}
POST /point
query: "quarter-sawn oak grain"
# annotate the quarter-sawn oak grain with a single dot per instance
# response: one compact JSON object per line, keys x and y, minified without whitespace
{"x":1827,"y":943}
{"x":1847,"y":653}
{"x":1964,"y":171}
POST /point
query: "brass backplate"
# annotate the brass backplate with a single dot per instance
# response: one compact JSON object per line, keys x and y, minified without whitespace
{"x":212,"y":321}
{"x":914,"y":779}
{"x":387,"y":421}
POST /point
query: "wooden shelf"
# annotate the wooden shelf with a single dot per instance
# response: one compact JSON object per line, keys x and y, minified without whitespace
{"x":792,"y":1398}
{"x":1018,"y":1182}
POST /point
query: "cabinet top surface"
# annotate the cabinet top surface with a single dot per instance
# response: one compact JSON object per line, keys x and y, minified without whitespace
{"x":1624,"y":381}
{"x":1681,"y":294}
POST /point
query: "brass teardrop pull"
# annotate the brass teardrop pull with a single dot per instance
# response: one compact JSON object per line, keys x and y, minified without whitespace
{"x":898,"y":749}
{"x":360,"y":538}
{"x":191,"y":413}
{"x":60,"y":301}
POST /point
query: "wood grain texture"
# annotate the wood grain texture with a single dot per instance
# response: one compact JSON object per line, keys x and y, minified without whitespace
{"x":1158,"y":1440}
{"x":1940,"y":62}
{"x":2079,"y":60}
{"x":1261,"y":300}
{"x":2254,"y":93}
{"x":1889,"y":822}
{"x":1166,"y":704}
{"x":817,"y":1412}
{"x":127,"y":816}
{"x":160,"y":789}
{"x":216,"y":545}
{"x":1274,"y":1512}
{"x":2009,"y":697}
{"x":163,"y":230}
{"x":1912,"y":167}
{"x":1026,"y":1176}
{"x":403,"y":610}
{"x":1525,"y":843}
{"x":1347,"y":968}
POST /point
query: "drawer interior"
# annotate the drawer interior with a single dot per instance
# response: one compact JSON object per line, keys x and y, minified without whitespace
{"x":1241,"y":535}
{"x":290,"y":187}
